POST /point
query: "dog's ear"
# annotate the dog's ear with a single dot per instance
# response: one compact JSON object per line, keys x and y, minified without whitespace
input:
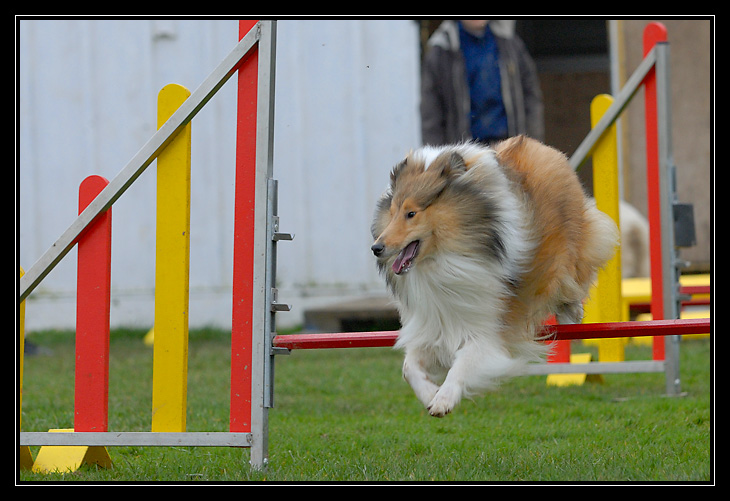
{"x":396,"y":172}
{"x":449,"y":164}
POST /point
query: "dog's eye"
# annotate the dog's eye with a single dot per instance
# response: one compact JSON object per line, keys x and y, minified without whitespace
{"x":410,"y":214}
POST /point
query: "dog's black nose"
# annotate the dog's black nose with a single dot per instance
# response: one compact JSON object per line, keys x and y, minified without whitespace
{"x":377,"y":249}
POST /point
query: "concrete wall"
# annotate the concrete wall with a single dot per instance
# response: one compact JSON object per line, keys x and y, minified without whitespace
{"x":346,"y":111}
{"x":691,"y":49}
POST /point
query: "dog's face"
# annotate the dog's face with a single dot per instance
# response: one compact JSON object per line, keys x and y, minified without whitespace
{"x":409,"y":221}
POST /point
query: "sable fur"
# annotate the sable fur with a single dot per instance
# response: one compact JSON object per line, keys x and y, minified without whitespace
{"x":506,"y":237}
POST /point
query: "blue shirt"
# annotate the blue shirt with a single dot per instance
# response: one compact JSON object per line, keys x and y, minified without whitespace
{"x":481,"y":56}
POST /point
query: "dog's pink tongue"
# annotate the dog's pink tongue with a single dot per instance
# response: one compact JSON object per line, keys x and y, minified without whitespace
{"x":403,"y":261}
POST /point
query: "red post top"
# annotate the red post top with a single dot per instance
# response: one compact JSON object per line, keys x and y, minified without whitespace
{"x":653,"y":34}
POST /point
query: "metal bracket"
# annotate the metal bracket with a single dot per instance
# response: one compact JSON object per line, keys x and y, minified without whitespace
{"x":275,"y":304}
{"x":684,"y":225}
{"x":273,"y":293}
{"x":278,"y":350}
{"x":276,"y":236}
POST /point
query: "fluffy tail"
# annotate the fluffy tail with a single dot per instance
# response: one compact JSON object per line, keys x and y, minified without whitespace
{"x":602,"y":237}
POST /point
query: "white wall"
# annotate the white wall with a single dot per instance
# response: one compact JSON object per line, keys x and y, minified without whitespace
{"x":346,"y":111}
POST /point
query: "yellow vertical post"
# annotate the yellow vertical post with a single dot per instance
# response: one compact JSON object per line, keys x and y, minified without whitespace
{"x":25,"y":460}
{"x":172,"y":271}
{"x":605,"y":302}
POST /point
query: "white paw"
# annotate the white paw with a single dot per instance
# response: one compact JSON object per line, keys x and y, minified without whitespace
{"x":444,"y":401}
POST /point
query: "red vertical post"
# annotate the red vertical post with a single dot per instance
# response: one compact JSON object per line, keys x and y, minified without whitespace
{"x":92,"y":315}
{"x":559,"y":350}
{"x":243,"y":258}
{"x":653,"y":34}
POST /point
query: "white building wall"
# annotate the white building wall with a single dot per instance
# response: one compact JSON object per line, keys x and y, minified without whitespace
{"x":346,"y":111}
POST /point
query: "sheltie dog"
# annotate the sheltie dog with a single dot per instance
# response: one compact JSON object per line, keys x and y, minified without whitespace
{"x":480,"y":246}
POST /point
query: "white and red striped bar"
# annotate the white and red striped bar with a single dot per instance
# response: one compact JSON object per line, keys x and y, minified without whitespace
{"x":557,"y":332}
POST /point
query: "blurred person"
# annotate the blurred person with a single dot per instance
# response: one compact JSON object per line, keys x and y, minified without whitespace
{"x":479,"y":82}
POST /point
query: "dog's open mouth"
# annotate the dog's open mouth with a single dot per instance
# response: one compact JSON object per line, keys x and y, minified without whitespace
{"x":404,"y":260}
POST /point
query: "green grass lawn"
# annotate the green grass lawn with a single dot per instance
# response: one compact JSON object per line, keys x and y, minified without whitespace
{"x":348,"y":416}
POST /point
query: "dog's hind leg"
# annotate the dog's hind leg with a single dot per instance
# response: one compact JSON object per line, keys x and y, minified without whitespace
{"x":570,"y":313}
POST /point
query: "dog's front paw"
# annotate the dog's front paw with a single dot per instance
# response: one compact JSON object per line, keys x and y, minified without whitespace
{"x":444,"y":401}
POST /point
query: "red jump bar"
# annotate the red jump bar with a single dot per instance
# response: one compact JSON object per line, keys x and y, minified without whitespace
{"x":556,"y":332}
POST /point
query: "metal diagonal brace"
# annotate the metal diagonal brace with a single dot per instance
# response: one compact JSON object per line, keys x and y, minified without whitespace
{"x":612,"y":113}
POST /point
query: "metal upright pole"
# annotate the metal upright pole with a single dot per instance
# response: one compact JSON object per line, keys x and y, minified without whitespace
{"x":667,"y":199}
{"x":261,"y":321}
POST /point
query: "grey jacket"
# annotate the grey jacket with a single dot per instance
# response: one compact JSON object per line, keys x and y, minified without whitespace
{"x":445,"y":103}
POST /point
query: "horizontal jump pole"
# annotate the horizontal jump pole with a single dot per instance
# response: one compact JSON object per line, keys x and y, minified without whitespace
{"x":378,"y":339}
